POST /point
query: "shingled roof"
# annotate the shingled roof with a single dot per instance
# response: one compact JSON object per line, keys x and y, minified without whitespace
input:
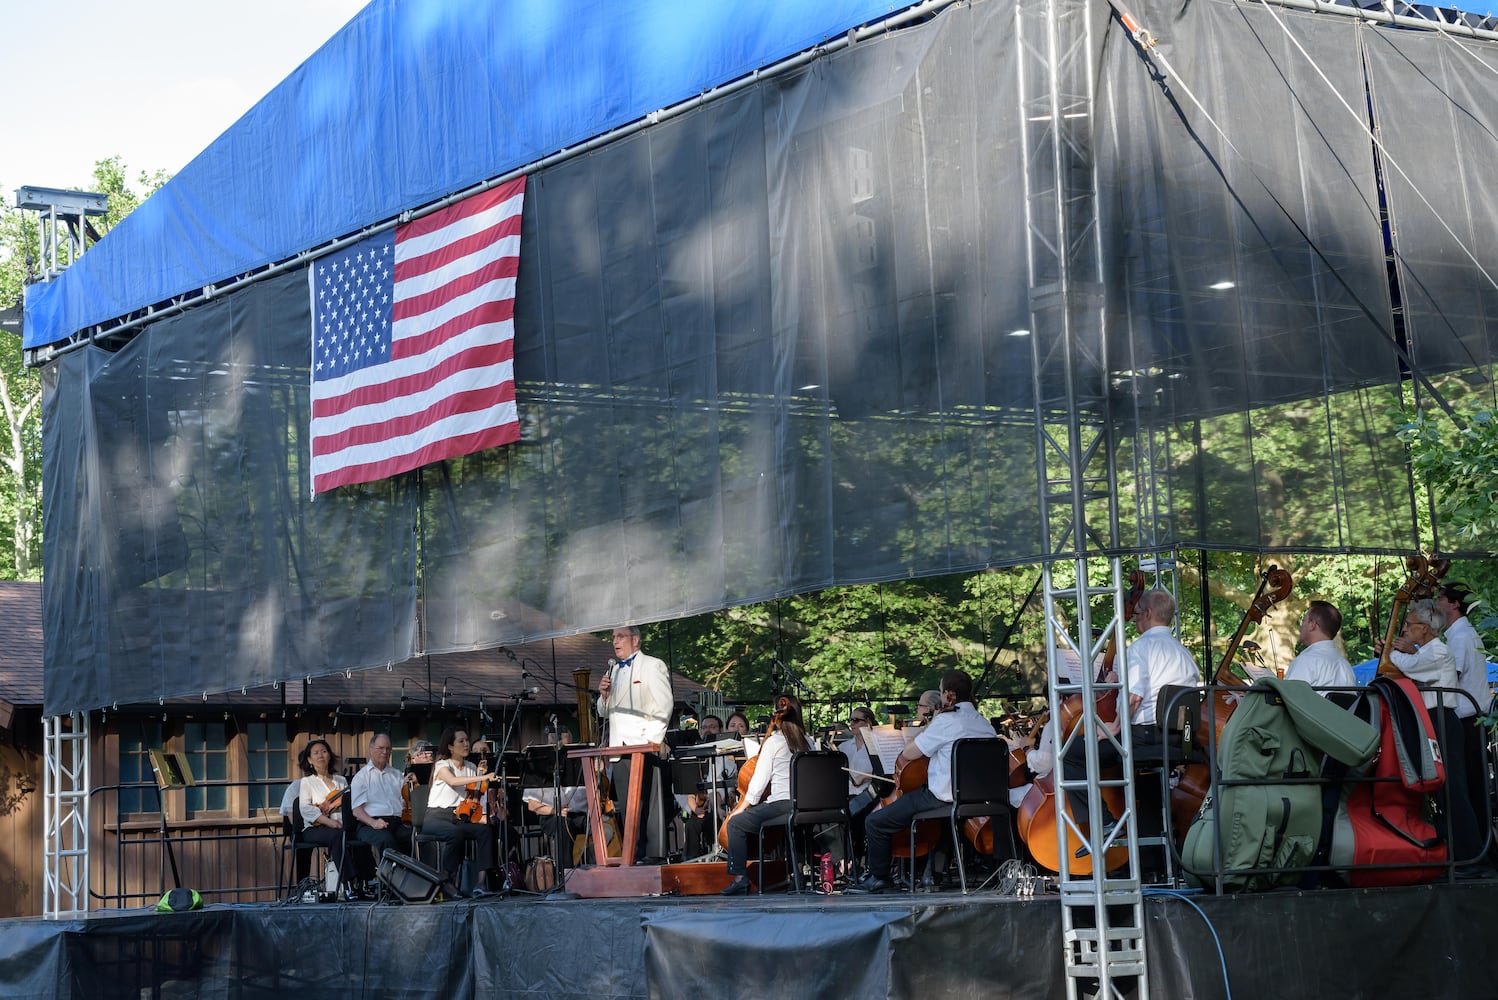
{"x":21,"y":642}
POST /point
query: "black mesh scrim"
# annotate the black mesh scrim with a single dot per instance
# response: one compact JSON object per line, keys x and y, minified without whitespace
{"x":789,"y":340}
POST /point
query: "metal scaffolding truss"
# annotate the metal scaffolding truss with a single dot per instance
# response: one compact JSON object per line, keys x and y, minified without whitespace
{"x":1102,"y":913}
{"x":65,"y":815}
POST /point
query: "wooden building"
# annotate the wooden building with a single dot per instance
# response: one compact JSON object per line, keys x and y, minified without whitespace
{"x":223,"y":834}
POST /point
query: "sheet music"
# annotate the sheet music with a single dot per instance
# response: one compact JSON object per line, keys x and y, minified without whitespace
{"x":886,"y":743}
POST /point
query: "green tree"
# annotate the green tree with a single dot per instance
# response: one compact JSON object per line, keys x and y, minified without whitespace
{"x":20,"y":388}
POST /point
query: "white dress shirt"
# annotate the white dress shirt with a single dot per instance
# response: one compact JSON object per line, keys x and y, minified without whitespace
{"x":1321,"y":664}
{"x":1471,"y":667}
{"x":638,"y":705}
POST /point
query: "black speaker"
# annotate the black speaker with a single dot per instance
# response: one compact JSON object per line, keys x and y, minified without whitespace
{"x":408,"y":880}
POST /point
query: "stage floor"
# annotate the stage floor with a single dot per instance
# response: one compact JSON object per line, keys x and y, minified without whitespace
{"x":1427,"y":941}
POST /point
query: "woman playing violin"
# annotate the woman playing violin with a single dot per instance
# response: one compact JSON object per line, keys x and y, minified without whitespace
{"x":769,"y":790}
{"x":958,"y":719}
{"x":455,"y":782}
{"x":320,"y":799}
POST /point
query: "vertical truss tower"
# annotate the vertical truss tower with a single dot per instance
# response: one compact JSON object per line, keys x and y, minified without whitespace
{"x":1102,"y":914}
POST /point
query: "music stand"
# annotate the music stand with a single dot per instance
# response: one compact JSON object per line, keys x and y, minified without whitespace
{"x":507,"y":757}
{"x":172,"y":771}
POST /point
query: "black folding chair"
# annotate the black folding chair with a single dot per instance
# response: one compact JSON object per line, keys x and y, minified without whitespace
{"x":819,"y":796}
{"x":980,"y":787}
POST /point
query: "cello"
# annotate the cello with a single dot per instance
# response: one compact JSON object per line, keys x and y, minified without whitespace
{"x":1035,"y":820}
{"x":1107,"y":704}
{"x":1425,"y":576}
{"x":746,"y":772}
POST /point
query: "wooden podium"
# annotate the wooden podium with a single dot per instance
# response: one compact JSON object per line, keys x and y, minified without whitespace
{"x":594,"y":757}
{"x":614,"y":878}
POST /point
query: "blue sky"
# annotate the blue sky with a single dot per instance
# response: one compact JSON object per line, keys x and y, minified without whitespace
{"x":152,"y":81}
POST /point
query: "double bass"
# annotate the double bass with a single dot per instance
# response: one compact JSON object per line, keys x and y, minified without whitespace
{"x":1424,"y":576}
{"x":746,"y":773}
{"x":1190,"y":788}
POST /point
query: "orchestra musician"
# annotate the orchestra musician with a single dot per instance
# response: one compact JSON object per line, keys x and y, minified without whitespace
{"x":1320,"y":663}
{"x":697,"y":811}
{"x":377,"y":800}
{"x":1421,"y":656}
{"x":927,"y":707}
{"x":454,"y":780}
{"x":738,"y":725}
{"x":320,"y":799}
{"x":769,"y":791}
{"x":862,"y":791}
{"x":635,"y":698}
{"x":1156,"y":659}
{"x":958,"y":719}
{"x":1472,"y":677}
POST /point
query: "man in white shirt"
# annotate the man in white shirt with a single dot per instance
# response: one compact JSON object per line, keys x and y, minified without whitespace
{"x":1421,"y":656}
{"x":1466,"y":647}
{"x":1320,"y":663}
{"x":635,"y":698}
{"x":1156,"y":660}
{"x":959,"y":719}
{"x":378,"y":803}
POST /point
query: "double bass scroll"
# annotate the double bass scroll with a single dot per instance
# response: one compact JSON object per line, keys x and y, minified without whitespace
{"x":1424,"y":576}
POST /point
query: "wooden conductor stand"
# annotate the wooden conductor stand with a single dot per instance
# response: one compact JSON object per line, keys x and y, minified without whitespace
{"x":619,"y":877}
{"x":596,"y":829}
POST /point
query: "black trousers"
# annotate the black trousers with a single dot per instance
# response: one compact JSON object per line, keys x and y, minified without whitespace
{"x":442,"y":824}
{"x":650,"y":788}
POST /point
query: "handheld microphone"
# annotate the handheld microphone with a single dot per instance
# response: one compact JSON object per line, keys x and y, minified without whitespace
{"x":530,"y":693}
{"x":613,"y":663}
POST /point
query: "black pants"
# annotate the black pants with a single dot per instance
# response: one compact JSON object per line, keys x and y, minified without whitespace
{"x":396,"y":836}
{"x":1457,"y":822}
{"x":649,"y":787}
{"x":1075,"y":762}
{"x":442,"y":824}
{"x":893,"y":821}
{"x":746,"y":823}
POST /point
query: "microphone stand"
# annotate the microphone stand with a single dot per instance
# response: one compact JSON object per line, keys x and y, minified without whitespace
{"x":509,"y":885}
{"x":560,"y":826}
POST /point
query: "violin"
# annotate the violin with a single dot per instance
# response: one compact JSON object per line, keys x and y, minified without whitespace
{"x":1424,"y":576}
{"x":335,"y":797}
{"x":471,"y":808}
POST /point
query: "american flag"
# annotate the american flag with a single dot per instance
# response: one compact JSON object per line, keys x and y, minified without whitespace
{"x":413,"y":342}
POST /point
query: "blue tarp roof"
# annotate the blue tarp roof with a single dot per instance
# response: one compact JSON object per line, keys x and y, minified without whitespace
{"x":410,"y":102}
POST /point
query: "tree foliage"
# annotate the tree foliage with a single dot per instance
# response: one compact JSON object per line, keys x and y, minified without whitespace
{"x":20,"y":388}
